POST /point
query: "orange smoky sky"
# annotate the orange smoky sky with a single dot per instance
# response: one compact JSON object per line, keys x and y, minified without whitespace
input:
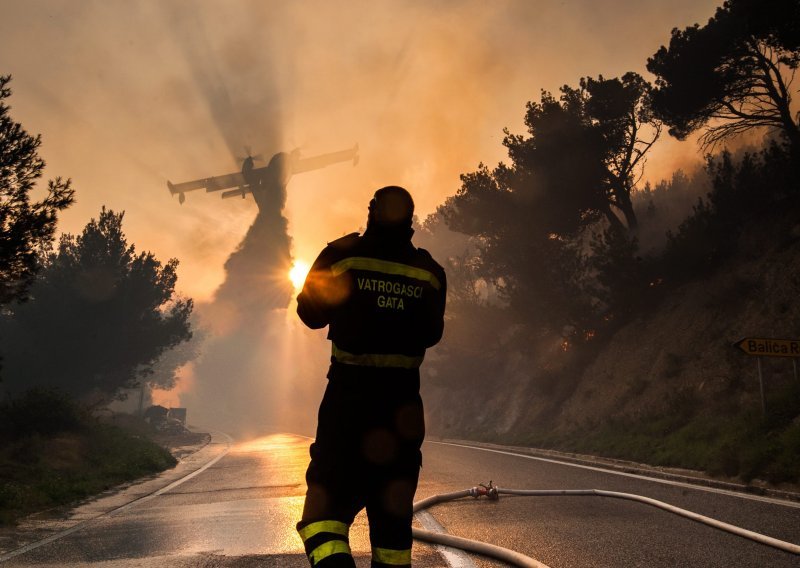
{"x":128,"y":95}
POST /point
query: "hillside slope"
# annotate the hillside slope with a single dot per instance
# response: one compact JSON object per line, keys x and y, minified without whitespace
{"x":668,"y":388}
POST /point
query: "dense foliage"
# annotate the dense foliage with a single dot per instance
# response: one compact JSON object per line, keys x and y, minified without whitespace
{"x":100,"y":316}
{"x":53,"y":453}
{"x":564,"y":250}
{"x":733,"y":74}
{"x":746,"y":191}
{"x":25,"y":225}
{"x":570,"y":183}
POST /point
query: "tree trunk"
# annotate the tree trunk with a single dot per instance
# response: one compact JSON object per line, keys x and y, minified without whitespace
{"x":612,"y":218}
{"x":626,"y":207}
{"x":622,"y":193}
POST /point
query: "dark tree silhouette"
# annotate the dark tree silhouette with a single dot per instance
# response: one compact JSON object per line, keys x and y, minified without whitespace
{"x":532,"y":268}
{"x":579,"y":163}
{"x":559,"y":168}
{"x":585,"y":152}
{"x":621,"y":110}
{"x":733,"y":74}
{"x":100,"y":315}
{"x":25,"y":227}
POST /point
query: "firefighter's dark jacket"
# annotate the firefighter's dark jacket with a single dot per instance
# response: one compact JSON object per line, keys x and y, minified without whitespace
{"x":383,"y":299}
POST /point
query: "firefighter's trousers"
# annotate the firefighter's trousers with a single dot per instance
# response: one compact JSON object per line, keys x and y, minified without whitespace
{"x":366,"y":455}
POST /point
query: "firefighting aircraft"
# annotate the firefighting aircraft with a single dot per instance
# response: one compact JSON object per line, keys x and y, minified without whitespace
{"x":267,"y":184}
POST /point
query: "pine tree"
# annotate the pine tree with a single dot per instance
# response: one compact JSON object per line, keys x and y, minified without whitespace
{"x":26,"y":227}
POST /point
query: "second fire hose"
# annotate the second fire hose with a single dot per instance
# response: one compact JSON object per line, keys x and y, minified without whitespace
{"x":517,"y":559}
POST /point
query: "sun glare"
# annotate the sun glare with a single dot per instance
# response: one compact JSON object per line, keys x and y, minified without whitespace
{"x":298,"y":273}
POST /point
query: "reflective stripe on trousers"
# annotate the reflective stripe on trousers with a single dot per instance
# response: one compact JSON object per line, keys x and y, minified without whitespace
{"x":324,"y":539}
{"x":389,"y":557}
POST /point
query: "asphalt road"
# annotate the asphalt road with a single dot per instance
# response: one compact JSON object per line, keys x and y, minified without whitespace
{"x":601,"y":532}
{"x":241,"y":511}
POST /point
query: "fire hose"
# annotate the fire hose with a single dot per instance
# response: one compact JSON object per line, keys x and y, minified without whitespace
{"x":517,"y":559}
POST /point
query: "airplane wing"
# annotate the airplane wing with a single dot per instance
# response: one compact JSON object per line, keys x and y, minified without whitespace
{"x":316,"y":162}
{"x":210,"y":184}
{"x":237,"y":180}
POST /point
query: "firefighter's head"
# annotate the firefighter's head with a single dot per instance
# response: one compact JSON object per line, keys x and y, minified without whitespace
{"x":391,"y":209}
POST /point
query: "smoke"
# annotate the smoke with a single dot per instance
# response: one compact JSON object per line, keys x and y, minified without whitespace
{"x":237,"y":384}
{"x":236,"y":80}
{"x":179,"y":90}
{"x":184,"y":383}
{"x":242,"y":361}
{"x":662,"y":207}
{"x":176,"y":89}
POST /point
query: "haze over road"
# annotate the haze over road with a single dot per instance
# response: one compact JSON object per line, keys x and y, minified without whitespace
{"x":241,"y":512}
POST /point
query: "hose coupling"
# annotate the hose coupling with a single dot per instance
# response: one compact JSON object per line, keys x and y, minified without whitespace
{"x":489,"y":491}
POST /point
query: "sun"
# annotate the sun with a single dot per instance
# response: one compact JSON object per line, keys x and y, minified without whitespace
{"x":298,"y":272}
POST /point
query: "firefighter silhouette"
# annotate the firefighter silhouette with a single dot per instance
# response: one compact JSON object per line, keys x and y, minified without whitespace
{"x":383,"y":300}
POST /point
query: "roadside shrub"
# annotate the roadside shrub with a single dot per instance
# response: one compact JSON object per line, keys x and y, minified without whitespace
{"x":724,"y":461}
{"x":40,"y":411}
{"x":53,"y":453}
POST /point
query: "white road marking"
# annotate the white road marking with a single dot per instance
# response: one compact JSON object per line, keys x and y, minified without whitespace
{"x":771,"y":500}
{"x":139,"y":501}
{"x":454,"y":557}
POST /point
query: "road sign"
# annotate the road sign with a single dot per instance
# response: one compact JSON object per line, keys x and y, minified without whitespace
{"x":762,"y":347}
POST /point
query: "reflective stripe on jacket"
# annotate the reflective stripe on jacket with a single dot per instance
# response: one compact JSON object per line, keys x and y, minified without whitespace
{"x":383,"y":299}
